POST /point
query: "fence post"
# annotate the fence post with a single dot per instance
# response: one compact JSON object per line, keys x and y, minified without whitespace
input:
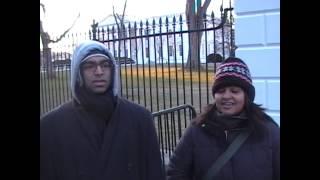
{"x":232,"y":35}
{"x":233,"y":46}
{"x":94,"y":30}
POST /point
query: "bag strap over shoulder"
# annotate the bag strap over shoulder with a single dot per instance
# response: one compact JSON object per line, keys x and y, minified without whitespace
{"x":226,"y":156}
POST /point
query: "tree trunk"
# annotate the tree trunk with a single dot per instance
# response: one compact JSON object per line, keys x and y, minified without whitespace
{"x":47,"y":58}
{"x":195,"y":23}
{"x":46,"y":54}
{"x":193,"y":60}
{"x":121,"y":34}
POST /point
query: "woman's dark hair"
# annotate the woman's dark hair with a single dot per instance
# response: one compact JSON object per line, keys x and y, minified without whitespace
{"x":255,"y":113}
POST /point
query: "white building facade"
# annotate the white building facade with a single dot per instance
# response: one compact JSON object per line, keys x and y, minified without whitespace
{"x":257,"y":32}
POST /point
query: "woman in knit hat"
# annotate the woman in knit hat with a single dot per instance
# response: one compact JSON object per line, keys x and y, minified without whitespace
{"x":233,"y":138}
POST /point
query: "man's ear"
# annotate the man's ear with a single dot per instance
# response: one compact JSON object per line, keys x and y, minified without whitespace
{"x":80,"y":79}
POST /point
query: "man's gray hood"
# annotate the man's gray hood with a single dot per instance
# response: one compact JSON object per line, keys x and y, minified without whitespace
{"x":82,"y":51}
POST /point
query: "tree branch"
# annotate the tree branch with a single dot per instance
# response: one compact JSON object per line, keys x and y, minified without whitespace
{"x":65,"y":32}
{"x":205,"y":5}
{"x":189,"y":11}
{"x":43,"y":8}
{"x":115,"y":16}
{"x":124,"y":10}
{"x":41,"y":28}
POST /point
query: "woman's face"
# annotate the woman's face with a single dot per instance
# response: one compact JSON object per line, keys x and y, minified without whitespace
{"x":230,"y":100}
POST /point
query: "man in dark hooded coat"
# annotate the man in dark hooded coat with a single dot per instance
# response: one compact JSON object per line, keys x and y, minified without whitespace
{"x":98,"y":135}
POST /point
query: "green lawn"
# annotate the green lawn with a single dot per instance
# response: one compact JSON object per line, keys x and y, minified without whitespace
{"x":156,"y":89}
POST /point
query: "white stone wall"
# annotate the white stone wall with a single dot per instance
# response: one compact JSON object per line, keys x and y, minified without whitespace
{"x":257,"y":35}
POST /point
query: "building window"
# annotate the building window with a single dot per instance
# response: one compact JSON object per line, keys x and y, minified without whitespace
{"x":160,"y":52}
{"x":147,"y":52}
{"x":180,"y":49}
{"x":170,"y":35}
{"x":170,"y":50}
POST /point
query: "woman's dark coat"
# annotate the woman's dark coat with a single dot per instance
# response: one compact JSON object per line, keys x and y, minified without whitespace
{"x":256,"y":159}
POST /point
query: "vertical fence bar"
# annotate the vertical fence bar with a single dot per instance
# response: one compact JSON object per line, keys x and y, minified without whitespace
{"x":170,"y":132}
{"x":168,"y":62}
{"x":162,"y":68}
{"x":160,"y":136}
{"x":85,"y":35}
{"x":183,"y":68}
{"x":64,"y":74}
{"x":222,"y":31}
{"x":148,"y":52}
{"x":60,"y":74}
{"x":49,"y":80}
{"x":124,"y":37}
{"x":103,"y":34}
{"x":53,"y":87}
{"x":67,"y":84}
{"x":155,"y":63}
{"x":53,"y":80}
{"x":143,"y":72}
{"x":174,"y":134}
{"x":69,"y":77}
{"x":137,"y":64}
{"x":182,"y":59}
{"x":199,"y":32}
{"x":176,"y":68}
{"x":46,"y":82}
{"x":175,"y":58}
{"x":166,"y":134}
{"x":179,"y":123}
{"x":190,"y":69}
{"x":64,"y":71}
{"x":115,"y":52}
{"x":57,"y":69}
{"x":42,"y":84}
{"x":186,"y":122}
{"x":113,"y":41}
{"x":214,"y":41}
{"x":206,"y":55}
{"x":232,"y":40}
{"x":118,"y":58}
{"x":108,"y":38}
{"x":98,"y":34}
{"x":131,"y":71}
{"x":59,"y":78}
{"x":67,"y":70}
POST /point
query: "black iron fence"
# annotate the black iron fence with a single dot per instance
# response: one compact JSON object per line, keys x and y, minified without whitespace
{"x":154,"y":60}
{"x":170,"y":124}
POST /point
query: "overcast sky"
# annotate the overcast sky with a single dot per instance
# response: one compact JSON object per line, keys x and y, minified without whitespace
{"x":61,"y":13}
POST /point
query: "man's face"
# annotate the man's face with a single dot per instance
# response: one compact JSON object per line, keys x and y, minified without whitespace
{"x":96,"y":73}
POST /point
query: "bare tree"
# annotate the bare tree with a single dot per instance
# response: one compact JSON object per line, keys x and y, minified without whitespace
{"x":119,"y":19}
{"x":46,"y":40}
{"x":195,"y":22}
